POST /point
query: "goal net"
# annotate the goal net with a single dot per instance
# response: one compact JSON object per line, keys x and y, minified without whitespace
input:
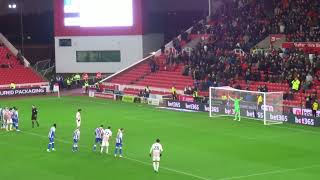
{"x":264,"y":106}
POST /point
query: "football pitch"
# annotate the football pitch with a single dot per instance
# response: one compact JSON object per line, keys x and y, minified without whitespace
{"x":195,"y":146}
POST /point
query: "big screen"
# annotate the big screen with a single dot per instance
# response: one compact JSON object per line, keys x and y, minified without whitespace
{"x":98,"y":13}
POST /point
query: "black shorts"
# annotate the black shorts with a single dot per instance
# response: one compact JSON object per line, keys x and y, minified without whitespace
{"x":34,"y":118}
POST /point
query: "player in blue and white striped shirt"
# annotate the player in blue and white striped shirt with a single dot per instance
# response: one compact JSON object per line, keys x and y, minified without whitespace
{"x":98,"y":136}
{"x":76,"y":138}
{"x":51,"y":136}
{"x":119,"y":141}
{"x":15,"y":118}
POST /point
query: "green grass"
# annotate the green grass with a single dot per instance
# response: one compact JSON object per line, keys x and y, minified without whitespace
{"x":195,"y":146}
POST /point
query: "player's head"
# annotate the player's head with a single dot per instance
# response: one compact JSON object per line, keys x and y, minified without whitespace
{"x":15,"y":108}
{"x":33,"y":106}
{"x":79,"y":110}
{"x":121,"y":129}
{"x":158,"y":140}
{"x":101,"y":125}
{"x":109,"y":127}
{"x":55,"y":125}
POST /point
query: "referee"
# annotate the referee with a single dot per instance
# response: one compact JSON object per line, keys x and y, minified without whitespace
{"x":34,"y":116}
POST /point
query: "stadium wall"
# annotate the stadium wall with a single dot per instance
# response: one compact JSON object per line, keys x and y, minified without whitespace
{"x":151,"y":43}
{"x":130,"y":47}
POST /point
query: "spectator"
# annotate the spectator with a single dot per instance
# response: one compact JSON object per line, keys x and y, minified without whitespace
{"x":147,"y":92}
{"x":174,"y":93}
{"x":295,"y":84}
{"x":12,"y":85}
{"x":259,"y":101}
{"x":195,"y":95}
{"x":308,"y":102}
{"x":315,"y":107}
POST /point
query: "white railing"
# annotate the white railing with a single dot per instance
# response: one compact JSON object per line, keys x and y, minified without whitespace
{"x":26,"y":85}
{"x":12,"y":49}
{"x":239,"y":52}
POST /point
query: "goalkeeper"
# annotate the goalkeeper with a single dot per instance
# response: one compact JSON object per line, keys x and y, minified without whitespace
{"x":236,"y":105}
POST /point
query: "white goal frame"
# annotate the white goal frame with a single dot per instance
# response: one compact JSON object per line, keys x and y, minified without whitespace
{"x":264,"y":95}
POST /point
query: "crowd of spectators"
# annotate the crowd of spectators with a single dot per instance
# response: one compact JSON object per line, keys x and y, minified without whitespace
{"x":241,"y":24}
{"x":237,"y":24}
{"x":299,"y":19}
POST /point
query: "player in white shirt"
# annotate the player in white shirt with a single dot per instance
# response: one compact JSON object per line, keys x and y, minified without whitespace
{"x":155,"y":153}
{"x":76,"y":138}
{"x":8,"y":118}
{"x":78,"y":118}
{"x":105,"y":139}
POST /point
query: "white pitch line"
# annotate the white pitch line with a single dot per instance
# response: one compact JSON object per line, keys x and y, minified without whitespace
{"x":271,"y":172}
{"x":128,"y":158}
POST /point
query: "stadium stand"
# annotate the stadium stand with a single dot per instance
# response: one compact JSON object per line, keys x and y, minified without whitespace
{"x":298,"y":19}
{"x":13,"y":70}
{"x":240,"y":25}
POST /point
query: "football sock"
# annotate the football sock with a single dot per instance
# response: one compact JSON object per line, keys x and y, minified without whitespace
{"x":154,"y":166}
{"x":157,"y":166}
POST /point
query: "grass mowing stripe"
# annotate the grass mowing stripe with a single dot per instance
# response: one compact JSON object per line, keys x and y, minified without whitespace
{"x":128,"y":158}
{"x":271,"y":172}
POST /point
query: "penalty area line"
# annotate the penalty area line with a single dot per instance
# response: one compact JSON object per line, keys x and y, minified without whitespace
{"x":125,"y":157}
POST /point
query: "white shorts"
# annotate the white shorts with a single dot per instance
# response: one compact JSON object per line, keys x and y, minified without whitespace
{"x":105,"y":143}
{"x":78,"y":123}
{"x":9,"y":121}
{"x":156,"y":158}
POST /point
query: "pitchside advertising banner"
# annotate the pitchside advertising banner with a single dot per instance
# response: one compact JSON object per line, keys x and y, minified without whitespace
{"x":22,"y":91}
{"x":128,"y":99}
{"x":247,"y":111}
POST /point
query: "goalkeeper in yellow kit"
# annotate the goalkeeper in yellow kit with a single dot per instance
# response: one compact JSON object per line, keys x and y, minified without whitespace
{"x":236,"y":105}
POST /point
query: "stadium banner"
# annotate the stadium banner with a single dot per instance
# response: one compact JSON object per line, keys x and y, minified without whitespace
{"x":154,"y":102}
{"x":91,"y":93}
{"x":185,"y":98}
{"x":246,"y":111}
{"x":143,"y":100}
{"x":304,"y":120}
{"x":306,"y":46}
{"x":104,"y":96}
{"x":22,"y":91}
{"x":304,"y":112}
{"x":127,"y":98}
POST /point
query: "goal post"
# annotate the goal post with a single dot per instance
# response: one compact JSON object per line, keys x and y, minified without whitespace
{"x":264,"y":106}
